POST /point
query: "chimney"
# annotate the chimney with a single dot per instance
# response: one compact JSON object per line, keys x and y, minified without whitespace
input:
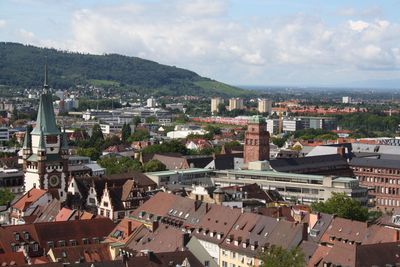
{"x":129,"y":228}
{"x":341,"y":151}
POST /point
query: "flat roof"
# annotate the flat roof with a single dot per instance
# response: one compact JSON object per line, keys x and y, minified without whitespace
{"x":183,"y":171}
{"x":285,"y":175}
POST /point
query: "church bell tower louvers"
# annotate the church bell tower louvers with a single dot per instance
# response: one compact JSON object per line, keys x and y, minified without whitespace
{"x":45,"y":150}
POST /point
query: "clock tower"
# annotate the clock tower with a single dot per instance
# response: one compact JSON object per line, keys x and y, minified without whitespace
{"x":256,"y":140}
{"x":45,"y":151}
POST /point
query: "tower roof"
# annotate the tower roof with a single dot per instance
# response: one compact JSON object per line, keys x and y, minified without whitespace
{"x":257,"y":119}
{"x":46,"y":120}
{"x":27,"y":139}
{"x":64,"y":144}
{"x":42,"y":144}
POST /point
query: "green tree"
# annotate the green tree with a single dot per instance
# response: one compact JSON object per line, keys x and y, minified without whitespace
{"x":92,"y":152}
{"x":278,"y":141}
{"x":136,"y":121}
{"x":126,"y":132}
{"x":5,"y":196}
{"x":343,"y":206}
{"x":276,"y":256}
{"x":154,"y":165}
{"x":139,"y":135}
{"x":97,"y":135}
{"x":115,"y":165}
{"x":173,"y":146}
{"x":151,"y":119}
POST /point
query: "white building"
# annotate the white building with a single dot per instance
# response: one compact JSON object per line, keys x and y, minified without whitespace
{"x":151,"y":102}
{"x":346,"y":100}
{"x":273,"y":126}
{"x":4,"y":134}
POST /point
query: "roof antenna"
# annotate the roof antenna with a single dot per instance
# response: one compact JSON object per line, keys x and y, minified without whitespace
{"x":46,"y":86}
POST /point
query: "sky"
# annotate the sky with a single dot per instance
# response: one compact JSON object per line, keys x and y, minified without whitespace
{"x":239,"y":42}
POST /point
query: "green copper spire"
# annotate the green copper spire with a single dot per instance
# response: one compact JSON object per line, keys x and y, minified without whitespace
{"x":27,"y":139}
{"x":42,"y":144}
{"x":64,"y":140}
{"x":46,"y":120}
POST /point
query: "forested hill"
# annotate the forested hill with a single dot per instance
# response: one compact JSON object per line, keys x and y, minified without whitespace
{"x":22,"y":66}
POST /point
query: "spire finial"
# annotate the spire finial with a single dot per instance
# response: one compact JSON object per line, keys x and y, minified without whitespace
{"x":46,"y":85}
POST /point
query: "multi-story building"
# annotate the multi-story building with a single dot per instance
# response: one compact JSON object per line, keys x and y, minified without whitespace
{"x":4,"y":134}
{"x":325,"y":123}
{"x":236,"y":103}
{"x":256,"y":140}
{"x":346,"y":99}
{"x":151,"y":102}
{"x":300,"y":187}
{"x":13,"y":180}
{"x":273,"y":126}
{"x":215,"y":102}
{"x":382,"y":178}
{"x":291,"y":125}
{"x":265,"y":106}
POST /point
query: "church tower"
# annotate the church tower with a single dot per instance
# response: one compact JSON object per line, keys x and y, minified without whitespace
{"x":256,"y":141}
{"x":45,"y":150}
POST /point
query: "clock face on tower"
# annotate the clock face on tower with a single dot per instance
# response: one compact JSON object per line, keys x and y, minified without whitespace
{"x":54,"y":181}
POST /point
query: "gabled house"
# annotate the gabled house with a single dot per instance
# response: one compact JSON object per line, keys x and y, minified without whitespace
{"x":27,"y":204}
{"x":118,"y":201}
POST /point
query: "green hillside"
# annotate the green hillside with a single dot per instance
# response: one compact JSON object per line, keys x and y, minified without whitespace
{"x":22,"y":66}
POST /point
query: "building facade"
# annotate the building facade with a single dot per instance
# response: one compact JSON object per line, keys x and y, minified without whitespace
{"x":236,"y":103}
{"x":265,"y":106}
{"x":382,"y":178}
{"x":215,"y":102}
{"x":256,"y":146}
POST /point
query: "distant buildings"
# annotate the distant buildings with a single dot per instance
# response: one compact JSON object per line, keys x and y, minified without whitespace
{"x":346,"y":100}
{"x":235,"y":103}
{"x":151,"y":102}
{"x":215,"y":102}
{"x":265,"y":106}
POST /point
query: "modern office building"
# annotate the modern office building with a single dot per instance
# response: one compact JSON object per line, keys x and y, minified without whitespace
{"x":302,"y":188}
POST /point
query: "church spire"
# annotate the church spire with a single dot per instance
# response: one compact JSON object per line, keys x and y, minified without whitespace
{"x":45,"y":85}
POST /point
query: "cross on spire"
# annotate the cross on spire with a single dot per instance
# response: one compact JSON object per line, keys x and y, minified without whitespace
{"x":46,"y":85}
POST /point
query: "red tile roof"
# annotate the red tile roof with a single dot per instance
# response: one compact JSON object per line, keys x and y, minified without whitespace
{"x":28,"y":198}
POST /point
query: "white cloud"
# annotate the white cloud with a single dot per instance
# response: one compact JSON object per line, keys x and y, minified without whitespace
{"x":2,"y":23}
{"x":198,"y":35}
{"x":358,"y":26}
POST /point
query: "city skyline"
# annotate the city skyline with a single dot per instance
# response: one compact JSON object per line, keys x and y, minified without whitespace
{"x":317,"y":43}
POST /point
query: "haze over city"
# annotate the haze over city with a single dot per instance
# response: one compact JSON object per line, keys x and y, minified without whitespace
{"x":297,"y":43}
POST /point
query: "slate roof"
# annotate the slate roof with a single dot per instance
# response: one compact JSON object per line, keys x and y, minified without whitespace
{"x":49,"y":212}
{"x":380,"y":254}
{"x":375,"y":163}
{"x":308,"y":164}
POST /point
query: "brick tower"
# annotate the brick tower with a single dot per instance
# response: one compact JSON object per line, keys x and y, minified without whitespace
{"x":256,"y":141}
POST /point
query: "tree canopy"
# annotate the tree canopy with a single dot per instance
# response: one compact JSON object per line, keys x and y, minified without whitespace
{"x":154,"y":165}
{"x":115,"y":165}
{"x":343,"y":206}
{"x":5,"y":196}
{"x":276,"y":256}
